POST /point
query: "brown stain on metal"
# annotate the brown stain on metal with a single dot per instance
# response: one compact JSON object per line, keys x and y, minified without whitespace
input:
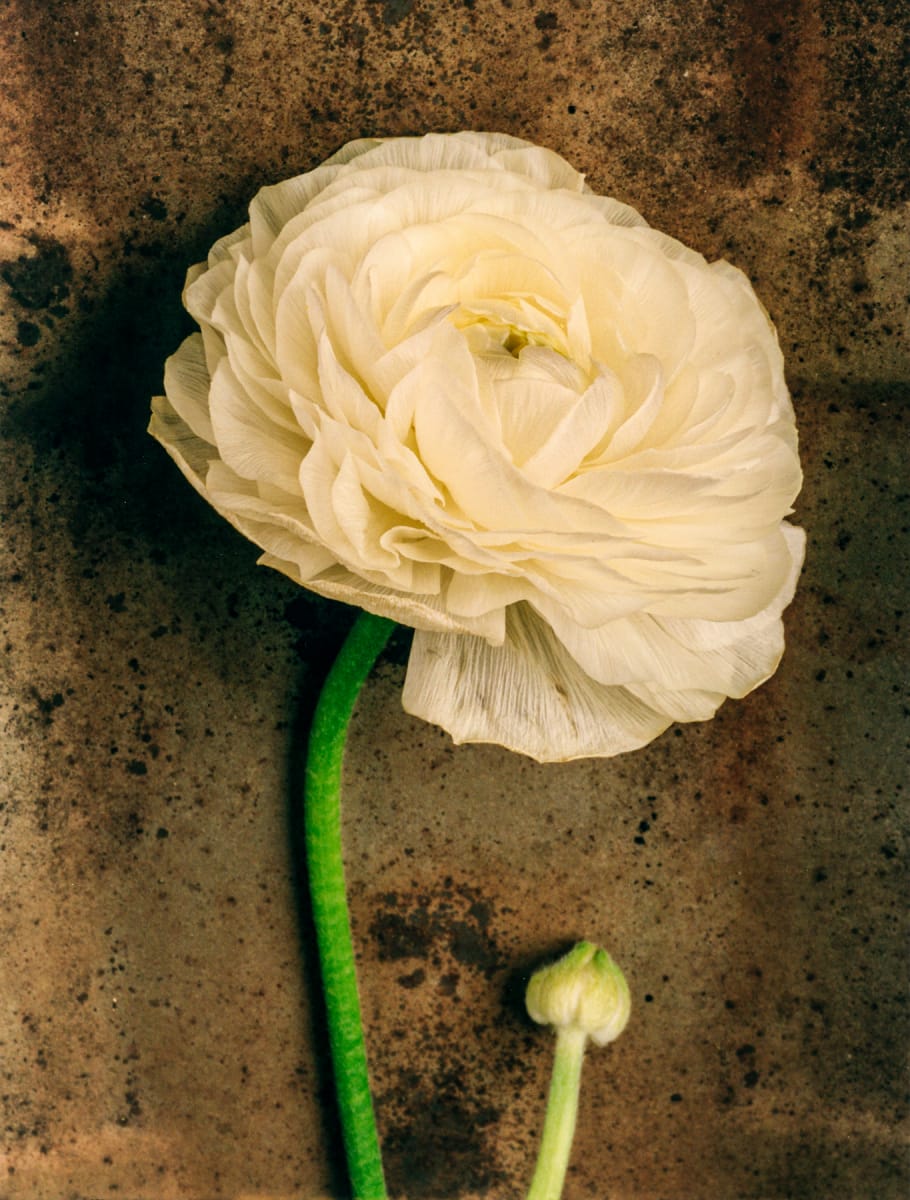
{"x":442,"y":944}
{"x":778,"y":72}
{"x":453,"y":919}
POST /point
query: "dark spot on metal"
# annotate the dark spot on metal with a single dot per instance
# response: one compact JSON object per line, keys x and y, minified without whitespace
{"x":27,"y":333}
{"x":448,"y":984}
{"x":440,"y":1151}
{"x":415,"y":979}
{"x":154,"y":208}
{"x":420,"y":924}
{"x":40,"y":280}
{"x":395,"y":11}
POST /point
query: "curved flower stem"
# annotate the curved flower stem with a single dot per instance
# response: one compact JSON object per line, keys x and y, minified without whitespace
{"x":325,"y":866}
{"x":562,"y":1110}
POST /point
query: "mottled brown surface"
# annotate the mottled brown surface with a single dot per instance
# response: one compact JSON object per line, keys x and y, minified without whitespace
{"x":160,"y":1033}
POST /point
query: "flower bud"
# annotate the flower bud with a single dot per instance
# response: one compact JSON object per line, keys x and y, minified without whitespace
{"x":584,"y":991}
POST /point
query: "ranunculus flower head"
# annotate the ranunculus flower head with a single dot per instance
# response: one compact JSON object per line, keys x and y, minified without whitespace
{"x":440,"y":379}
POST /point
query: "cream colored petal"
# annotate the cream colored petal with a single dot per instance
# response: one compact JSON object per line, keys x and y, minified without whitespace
{"x":462,"y":454}
{"x":707,"y":507}
{"x":191,"y":453}
{"x":543,"y":167}
{"x":253,"y":305}
{"x":668,"y":247}
{"x":351,"y":150}
{"x":561,"y":221}
{"x":318,"y":472}
{"x":274,"y":207}
{"x":298,"y":322}
{"x":731,"y":583}
{"x":642,"y":390}
{"x":705,"y":635}
{"x":478,"y":595}
{"x":636,"y":301}
{"x":398,"y":314}
{"x":266,"y":392}
{"x":664,"y":502}
{"x":502,"y":271}
{"x":614,"y":212}
{"x":548,"y":366}
{"x":251,"y":444}
{"x":421,"y":612}
{"x":527,"y":694}
{"x":299,"y":560}
{"x":640,"y":650}
{"x":393,"y":377}
{"x":463,"y":151}
{"x":263,"y":501}
{"x":684,"y":707}
{"x":202,"y":294}
{"x":363,"y":522}
{"x":527,"y":412}
{"x":187,"y":382}
{"x":226,"y":246}
{"x":351,"y":524}
{"x":343,"y":395}
{"x":354,"y":339}
{"x":729,"y":658}
{"x":589,"y":422}
{"x":468,"y":249}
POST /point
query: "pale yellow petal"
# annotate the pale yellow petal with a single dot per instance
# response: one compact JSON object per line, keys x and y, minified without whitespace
{"x":527,"y":694}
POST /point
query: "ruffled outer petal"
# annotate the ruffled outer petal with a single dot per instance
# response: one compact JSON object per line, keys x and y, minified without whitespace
{"x":527,"y":694}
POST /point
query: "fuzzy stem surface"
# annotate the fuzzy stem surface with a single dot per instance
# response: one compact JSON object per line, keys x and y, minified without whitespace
{"x":328,"y":896}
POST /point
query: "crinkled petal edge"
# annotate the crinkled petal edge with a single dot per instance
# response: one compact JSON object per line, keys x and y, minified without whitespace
{"x":527,"y":694}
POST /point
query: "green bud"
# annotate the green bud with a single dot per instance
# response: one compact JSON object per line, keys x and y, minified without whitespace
{"x":583,"y":991}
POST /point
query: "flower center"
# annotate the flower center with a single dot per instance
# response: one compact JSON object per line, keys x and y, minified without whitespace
{"x":491,"y":334}
{"x":516,"y":340}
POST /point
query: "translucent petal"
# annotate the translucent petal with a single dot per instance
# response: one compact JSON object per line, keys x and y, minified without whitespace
{"x":186,"y":382}
{"x":191,"y":453}
{"x":527,"y":694}
{"x":202,"y":294}
{"x":274,"y":206}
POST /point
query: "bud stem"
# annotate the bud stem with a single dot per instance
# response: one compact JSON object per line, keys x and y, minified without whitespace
{"x":325,"y":868}
{"x":559,"y":1122}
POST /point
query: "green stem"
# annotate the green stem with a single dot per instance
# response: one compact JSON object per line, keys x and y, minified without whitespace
{"x":562,"y":1110}
{"x":325,"y":867}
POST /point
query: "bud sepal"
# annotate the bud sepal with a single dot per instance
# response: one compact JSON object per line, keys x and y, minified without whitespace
{"x":584,"y":990}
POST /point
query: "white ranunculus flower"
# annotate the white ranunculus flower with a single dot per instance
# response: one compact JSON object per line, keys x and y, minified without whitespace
{"x":439,"y":379}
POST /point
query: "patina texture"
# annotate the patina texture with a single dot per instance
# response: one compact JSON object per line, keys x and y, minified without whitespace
{"x":161,"y":1032}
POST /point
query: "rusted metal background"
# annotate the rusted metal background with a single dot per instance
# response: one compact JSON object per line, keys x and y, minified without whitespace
{"x":160,"y":1033}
